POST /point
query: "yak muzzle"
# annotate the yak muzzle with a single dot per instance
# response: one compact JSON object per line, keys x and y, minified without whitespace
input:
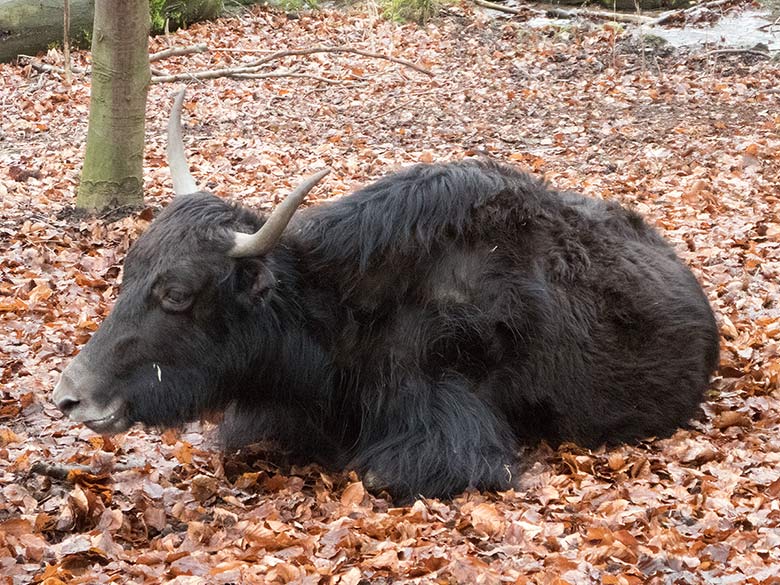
{"x":78,"y":395}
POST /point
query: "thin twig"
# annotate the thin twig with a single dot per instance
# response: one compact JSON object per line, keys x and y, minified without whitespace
{"x":66,"y":39}
{"x":250,"y":70}
{"x":237,"y":73}
{"x":178,"y":51}
{"x":298,"y":75}
{"x":172,"y":52}
{"x":236,"y":50}
{"x":769,"y":25}
{"x":204,"y":74}
{"x":297,"y":52}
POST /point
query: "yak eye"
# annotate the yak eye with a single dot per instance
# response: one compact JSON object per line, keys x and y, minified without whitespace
{"x":176,"y":300}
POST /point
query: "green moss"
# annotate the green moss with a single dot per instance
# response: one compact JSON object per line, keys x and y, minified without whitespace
{"x":159,"y":14}
{"x":82,"y":38}
{"x":419,"y":11}
{"x":174,"y":14}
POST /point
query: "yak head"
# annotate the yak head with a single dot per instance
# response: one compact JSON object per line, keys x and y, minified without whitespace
{"x":199,"y":288}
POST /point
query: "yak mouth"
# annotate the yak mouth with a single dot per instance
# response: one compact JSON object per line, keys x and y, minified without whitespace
{"x":113,"y":423}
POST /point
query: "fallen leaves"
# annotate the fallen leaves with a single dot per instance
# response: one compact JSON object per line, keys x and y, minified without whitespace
{"x":487,"y":520}
{"x":731,"y":418}
{"x":692,"y":145}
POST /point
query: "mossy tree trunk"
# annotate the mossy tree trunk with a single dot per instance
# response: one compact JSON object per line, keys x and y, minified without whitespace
{"x":113,"y":166}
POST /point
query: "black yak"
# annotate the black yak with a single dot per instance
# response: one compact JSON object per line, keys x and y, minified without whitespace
{"x":417,"y":331}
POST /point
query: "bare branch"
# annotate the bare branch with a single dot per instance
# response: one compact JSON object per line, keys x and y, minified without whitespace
{"x":600,"y":14}
{"x":297,"y":52}
{"x":249,"y":70}
{"x":237,"y":73}
{"x":66,"y":39}
{"x":573,"y":13}
{"x":57,"y":471}
{"x":63,"y":472}
{"x":506,"y":9}
{"x":204,"y":74}
{"x":45,"y":68}
{"x":298,"y":75}
{"x":755,"y":52}
{"x":178,"y":51}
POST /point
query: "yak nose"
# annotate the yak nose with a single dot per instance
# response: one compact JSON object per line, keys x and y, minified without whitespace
{"x":73,"y":391}
{"x":66,"y":395}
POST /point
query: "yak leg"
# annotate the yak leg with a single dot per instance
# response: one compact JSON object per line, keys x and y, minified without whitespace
{"x":285,"y":427}
{"x":435,"y":440}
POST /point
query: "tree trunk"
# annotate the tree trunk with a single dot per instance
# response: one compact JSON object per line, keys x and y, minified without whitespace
{"x":30,"y":26}
{"x":113,"y":166}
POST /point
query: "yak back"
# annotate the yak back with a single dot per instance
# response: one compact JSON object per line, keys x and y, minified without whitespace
{"x":444,"y":233}
{"x":567,"y":314}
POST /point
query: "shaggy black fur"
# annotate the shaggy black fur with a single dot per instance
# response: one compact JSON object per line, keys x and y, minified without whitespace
{"x":416,"y":330}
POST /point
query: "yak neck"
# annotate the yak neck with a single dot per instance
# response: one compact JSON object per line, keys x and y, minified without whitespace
{"x":290,"y":359}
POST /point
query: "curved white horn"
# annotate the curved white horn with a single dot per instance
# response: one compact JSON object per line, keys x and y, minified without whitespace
{"x":183,"y":183}
{"x":265,"y":238}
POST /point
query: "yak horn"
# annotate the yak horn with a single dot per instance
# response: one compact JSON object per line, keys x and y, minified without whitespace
{"x":264,"y":239}
{"x":183,"y":183}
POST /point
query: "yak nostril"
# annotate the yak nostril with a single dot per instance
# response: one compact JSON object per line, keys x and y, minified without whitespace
{"x":66,"y":404}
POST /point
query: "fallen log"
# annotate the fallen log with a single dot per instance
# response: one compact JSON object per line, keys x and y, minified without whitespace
{"x":31,"y":26}
{"x":553,"y":12}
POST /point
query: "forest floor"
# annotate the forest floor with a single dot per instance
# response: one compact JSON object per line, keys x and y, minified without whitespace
{"x":690,"y":139}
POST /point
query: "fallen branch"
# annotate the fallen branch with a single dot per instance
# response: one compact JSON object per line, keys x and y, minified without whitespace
{"x":667,"y":16}
{"x":252,"y":70}
{"x":600,"y":14}
{"x":178,"y":51}
{"x":43,"y":67}
{"x":63,"y":472}
{"x":573,"y":13}
{"x":236,"y":73}
{"x":298,"y":75}
{"x":297,"y":52}
{"x":247,"y":71}
{"x":46,"y":68}
{"x":755,"y":52}
{"x":769,"y":25}
{"x":164,"y":54}
{"x":500,"y":8}
{"x":204,"y":74}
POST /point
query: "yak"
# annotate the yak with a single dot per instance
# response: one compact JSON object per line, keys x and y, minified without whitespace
{"x":419,"y":331}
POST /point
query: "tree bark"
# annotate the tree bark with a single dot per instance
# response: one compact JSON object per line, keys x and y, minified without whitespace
{"x":112,"y":176}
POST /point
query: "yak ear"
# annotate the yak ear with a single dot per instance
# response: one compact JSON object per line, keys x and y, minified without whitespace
{"x":254,"y":280}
